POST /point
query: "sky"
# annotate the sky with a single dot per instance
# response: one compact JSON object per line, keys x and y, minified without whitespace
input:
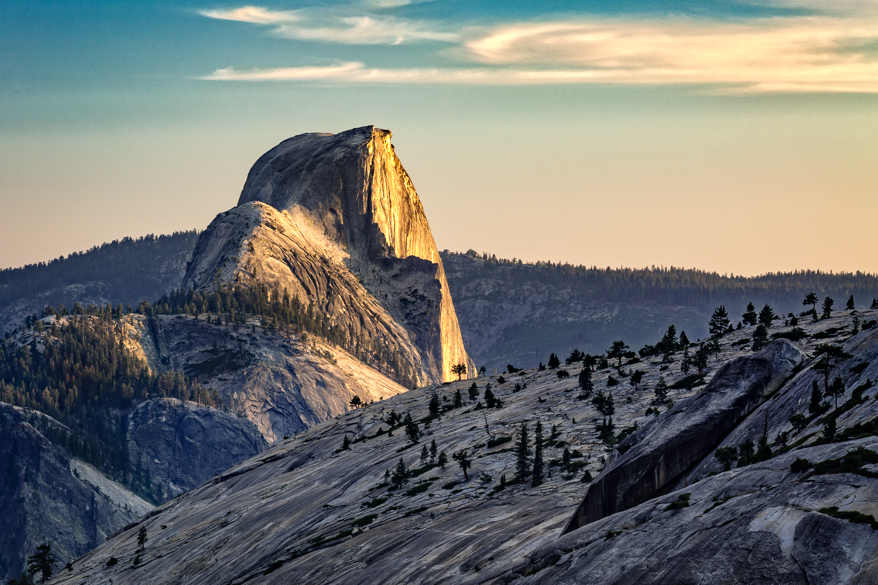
{"x":736,"y":137}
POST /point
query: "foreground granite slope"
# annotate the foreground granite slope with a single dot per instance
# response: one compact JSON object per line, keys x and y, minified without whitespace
{"x":759,"y":524}
{"x":307,"y":511}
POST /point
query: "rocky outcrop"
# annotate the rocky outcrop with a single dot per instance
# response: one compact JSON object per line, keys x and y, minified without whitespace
{"x":182,"y":444}
{"x":655,"y":457}
{"x":335,"y":220}
{"x":758,"y":524}
{"x":282,"y":383}
{"x":47,"y":496}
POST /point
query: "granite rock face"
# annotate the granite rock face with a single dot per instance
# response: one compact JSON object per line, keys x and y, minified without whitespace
{"x":282,"y":383}
{"x":758,"y":524}
{"x":48,"y":496}
{"x":335,"y":220}
{"x":183,"y":444}
{"x":656,"y":456}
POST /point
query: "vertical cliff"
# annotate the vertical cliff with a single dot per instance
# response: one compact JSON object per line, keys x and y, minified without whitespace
{"x":335,"y":220}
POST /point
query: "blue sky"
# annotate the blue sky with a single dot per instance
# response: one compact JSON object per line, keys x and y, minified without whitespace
{"x":733,"y":136}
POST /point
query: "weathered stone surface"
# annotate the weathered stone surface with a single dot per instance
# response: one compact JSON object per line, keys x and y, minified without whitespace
{"x":757,"y":524}
{"x":280,"y":382}
{"x":773,"y":418}
{"x":183,"y":444}
{"x":305,"y":511}
{"x":656,"y":456}
{"x":341,"y":226}
{"x":46,"y":496}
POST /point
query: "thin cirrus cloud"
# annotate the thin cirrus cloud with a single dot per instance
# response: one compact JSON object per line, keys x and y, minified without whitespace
{"x":322,"y":25}
{"x":789,"y":54}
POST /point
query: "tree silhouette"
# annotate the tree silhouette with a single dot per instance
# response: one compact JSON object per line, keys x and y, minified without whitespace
{"x":636,"y":377}
{"x":458,"y":370}
{"x":827,"y":307}
{"x":538,"y":455}
{"x":750,"y":316}
{"x":554,"y":362}
{"x":829,"y":355}
{"x":850,"y":304}
{"x":462,"y":458}
{"x":585,"y":382}
{"x":766,"y":316}
{"x":618,"y":350}
{"x":719,"y":321}
{"x":42,"y":562}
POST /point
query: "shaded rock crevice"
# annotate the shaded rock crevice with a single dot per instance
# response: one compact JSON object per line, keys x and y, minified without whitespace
{"x":655,"y":457}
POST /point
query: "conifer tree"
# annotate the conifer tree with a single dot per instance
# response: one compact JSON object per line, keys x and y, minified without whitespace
{"x":719,"y":321}
{"x":661,"y":391}
{"x":435,"y":406}
{"x":635,"y":379}
{"x":686,"y":364}
{"x":400,"y":475}
{"x":811,"y":299}
{"x":346,"y":444}
{"x":585,"y":382}
{"x":827,"y":307}
{"x":425,"y":454}
{"x":458,"y":399}
{"x":766,"y":316}
{"x":850,"y":304}
{"x":443,"y":460}
{"x":750,"y":316}
{"x":522,"y":454}
{"x":411,"y":429}
{"x":538,"y":455}
{"x":618,"y":350}
{"x":684,"y":340}
{"x":43,"y":562}
{"x":462,"y":458}
{"x":433,"y":451}
{"x":473,"y":392}
{"x":554,"y":362}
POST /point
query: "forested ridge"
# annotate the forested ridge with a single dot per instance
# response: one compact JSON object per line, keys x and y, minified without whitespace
{"x":77,"y":370}
{"x":123,"y":271}
{"x":675,"y":286}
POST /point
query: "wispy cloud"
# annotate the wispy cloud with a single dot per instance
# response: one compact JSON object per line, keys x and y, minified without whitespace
{"x":358,"y":73}
{"x":253,"y":14}
{"x":778,"y":54}
{"x":789,"y":54}
{"x":327,"y":26}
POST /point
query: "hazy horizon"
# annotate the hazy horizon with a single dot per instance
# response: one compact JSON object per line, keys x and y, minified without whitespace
{"x":737,"y":138}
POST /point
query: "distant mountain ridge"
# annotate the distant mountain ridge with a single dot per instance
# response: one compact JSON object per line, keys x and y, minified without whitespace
{"x":124,"y":271}
{"x":509,"y":312}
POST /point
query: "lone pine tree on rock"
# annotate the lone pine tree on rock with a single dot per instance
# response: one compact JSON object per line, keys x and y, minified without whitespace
{"x":811,"y":299}
{"x":462,"y":458}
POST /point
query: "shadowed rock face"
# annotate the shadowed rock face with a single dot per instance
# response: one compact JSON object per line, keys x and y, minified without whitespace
{"x":658,"y":455}
{"x":183,"y":444}
{"x":46,"y":496}
{"x":335,"y":220}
